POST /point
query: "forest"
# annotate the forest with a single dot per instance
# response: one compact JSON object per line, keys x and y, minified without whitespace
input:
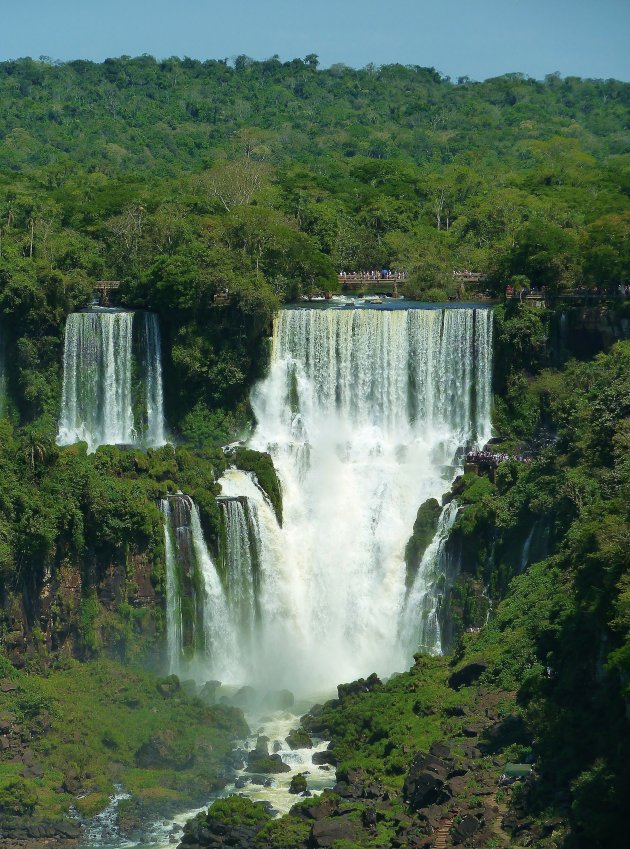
{"x":261,"y":181}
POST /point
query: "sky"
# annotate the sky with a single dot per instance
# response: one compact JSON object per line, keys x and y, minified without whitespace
{"x":478,"y":38}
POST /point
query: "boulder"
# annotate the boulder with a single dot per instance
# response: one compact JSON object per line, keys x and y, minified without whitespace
{"x":168,"y":687}
{"x":325,"y":757}
{"x":270,"y":765}
{"x":504,"y":733}
{"x":261,"y":750}
{"x":279,"y":700}
{"x":326,"y":832}
{"x":160,"y":752}
{"x":246,"y":698}
{"x":359,"y":785}
{"x":298,"y":784}
{"x":363,"y":685}
{"x":298,"y":738}
{"x":440,"y":750}
{"x":208,"y":693}
{"x":189,"y":687}
{"x":324,"y":806}
{"x":425,"y":783}
{"x":467,"y":675}
{"x":465,"y":828}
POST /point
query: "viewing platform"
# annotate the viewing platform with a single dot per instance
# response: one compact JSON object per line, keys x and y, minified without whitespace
{"x":359,"y":280}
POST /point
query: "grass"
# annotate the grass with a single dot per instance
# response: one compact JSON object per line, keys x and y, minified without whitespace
{"x":100,"y":715}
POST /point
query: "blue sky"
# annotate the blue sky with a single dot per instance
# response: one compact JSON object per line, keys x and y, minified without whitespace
{"x":478,"y":38}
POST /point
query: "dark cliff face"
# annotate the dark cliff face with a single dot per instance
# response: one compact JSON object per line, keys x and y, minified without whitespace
{"x":583,"y":331}
{"x":84,"y":609}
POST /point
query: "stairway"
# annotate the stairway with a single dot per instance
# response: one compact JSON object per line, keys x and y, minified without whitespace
{"x":441,"y":838}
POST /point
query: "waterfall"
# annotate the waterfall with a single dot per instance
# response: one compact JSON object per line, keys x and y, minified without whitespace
{"x":366,"y":414}
{"x":257,"y":583}
{"x":201,"y":633}
{"x":174,"y":640}
{"x":420,"y":627}
{"x":152,"y":349}
{"x":105,"y":385}
{"x":240,"y":566}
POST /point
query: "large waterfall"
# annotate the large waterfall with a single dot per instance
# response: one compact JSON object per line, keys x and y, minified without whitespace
{"x":112,"y":380}
{"x":366,"y":414}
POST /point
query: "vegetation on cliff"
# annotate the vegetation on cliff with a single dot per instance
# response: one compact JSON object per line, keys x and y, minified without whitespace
{"x":74,"y":732}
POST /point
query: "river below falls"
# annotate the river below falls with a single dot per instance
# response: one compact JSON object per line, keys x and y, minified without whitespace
{"x":103,"y":831}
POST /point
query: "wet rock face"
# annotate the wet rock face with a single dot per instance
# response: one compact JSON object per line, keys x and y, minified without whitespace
{"x":424,"y":529}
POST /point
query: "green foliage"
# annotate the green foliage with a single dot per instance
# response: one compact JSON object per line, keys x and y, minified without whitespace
{"x":236,"y":810}
{"x":262,"y":466}
{"x":100,"y":712}
{"x":561,"y":633}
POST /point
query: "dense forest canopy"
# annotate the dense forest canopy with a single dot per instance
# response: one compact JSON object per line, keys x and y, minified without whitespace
{"x":185,"y":178}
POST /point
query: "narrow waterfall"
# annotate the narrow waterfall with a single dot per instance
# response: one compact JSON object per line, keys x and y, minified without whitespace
{"x":151,"y":350}
{"x":174,"y":625}
{"x":255,"y":576}
{"x":366,"y":414}
{"x":240,"y":564}
{"x":111,"y":393}
{"x":201,"y":635}
{"x":420,"y":626}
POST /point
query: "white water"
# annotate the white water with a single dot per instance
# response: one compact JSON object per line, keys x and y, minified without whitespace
{"x":103,"y":829}
{"x":364,"y":413}
{"x":174,"y":641}
{"x":97,"y":404}
{"x":420,"y":625}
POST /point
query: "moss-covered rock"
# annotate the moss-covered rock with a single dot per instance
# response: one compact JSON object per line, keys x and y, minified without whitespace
{"x":298,"y":784}
{"x":298,"y":738}
{"x":261,"y":465}
{"x":270,"y":765}
{"x":424,"y":529}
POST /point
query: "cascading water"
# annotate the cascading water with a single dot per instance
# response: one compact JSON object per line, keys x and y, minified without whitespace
{"x":152,"y":353}
{"x":240,"y":566}
{"x":420,"y":626}
{"x":174,"y":630}
{"x":109,"y":395}
{"x":201,"y":631}
{"x":365,"y":413}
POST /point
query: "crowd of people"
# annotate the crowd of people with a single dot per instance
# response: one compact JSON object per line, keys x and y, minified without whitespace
{"x":491,"y":458}
{"x":383,"y":274}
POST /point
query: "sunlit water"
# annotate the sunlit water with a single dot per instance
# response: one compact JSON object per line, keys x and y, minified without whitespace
{"x":366,"y":413}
